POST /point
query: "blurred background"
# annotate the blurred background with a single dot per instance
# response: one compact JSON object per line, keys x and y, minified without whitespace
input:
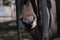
{"x":8,"y":29}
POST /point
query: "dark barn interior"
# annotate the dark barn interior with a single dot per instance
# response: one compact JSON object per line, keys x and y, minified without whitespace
{"x":58,"y":16}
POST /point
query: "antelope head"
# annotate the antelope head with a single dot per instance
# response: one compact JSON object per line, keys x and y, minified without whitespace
{"x":28,"y":17}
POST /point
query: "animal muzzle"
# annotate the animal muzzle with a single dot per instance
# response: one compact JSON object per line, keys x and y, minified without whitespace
{"x":29,"y":22}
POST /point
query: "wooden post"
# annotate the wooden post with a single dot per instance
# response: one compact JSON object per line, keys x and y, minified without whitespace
{"x":19,"y":4}
{"x":42,"y":9}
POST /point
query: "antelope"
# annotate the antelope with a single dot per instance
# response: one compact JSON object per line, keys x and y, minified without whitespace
{"x":29,"y":18}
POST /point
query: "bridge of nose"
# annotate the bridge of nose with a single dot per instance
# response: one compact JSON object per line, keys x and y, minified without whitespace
{"x":27,"y":11}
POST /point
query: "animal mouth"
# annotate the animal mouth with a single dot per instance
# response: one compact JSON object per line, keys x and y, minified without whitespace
{"x":29,"y":22}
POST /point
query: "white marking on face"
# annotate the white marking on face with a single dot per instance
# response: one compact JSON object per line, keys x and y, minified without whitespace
{"x":28,"y":19}
{"x":34,"y":23}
